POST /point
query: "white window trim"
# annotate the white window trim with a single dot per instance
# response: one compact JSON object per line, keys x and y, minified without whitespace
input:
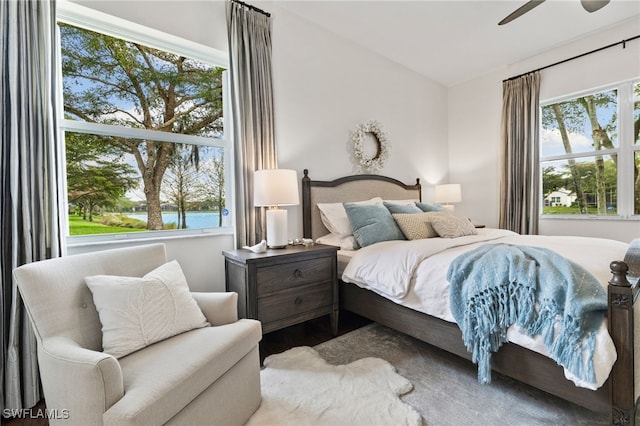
{"x":93,"y":20}
{"x":624,"y":152}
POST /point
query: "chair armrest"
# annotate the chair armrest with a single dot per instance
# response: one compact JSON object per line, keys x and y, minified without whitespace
{"x":218,"y":308}
{"x":97,"y":376}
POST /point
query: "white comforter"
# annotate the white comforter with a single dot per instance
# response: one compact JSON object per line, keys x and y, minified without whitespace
{"x":413,"y":274}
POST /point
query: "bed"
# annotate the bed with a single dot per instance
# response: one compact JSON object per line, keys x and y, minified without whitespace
{"x":617,"y":395}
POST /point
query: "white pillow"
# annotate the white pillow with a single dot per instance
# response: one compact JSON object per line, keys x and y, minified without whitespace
{"x":346,"y":243}
{"x":403,"y":202}
{"x":136,"y":312}
{"x":334,"y":216}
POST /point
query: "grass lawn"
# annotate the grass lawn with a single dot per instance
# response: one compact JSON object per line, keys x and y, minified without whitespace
{"x":78,"y":226}
{"x":572,"y":210}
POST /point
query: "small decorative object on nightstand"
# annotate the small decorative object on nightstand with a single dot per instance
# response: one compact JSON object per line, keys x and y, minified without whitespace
{"x":284,"y":287}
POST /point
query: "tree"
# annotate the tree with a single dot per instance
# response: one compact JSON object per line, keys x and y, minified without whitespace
{"x":552,"y":180}
{"x":559,"y":116}
{"x":213,"y":182}
{"x":112,"y":81}
{"x":94,"y":178}
{"x":181,"y":183}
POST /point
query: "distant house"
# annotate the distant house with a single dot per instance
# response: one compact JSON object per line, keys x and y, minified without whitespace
{"x":560,"y":197}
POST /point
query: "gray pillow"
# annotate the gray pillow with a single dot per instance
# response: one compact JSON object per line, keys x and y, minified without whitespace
{"x":426,"y":207}
{"x":453,"y":226}
{"x":402,"y":208}
{"x":372,"y":224}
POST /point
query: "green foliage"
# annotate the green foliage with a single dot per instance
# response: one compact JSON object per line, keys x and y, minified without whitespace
{"x":122,"y":221}
{"x":79,"y":226}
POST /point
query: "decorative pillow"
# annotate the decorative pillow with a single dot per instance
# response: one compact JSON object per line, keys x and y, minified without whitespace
{"x":346,"y":243}
{"x":401,"y":208}
{"x":453,"y":226}
{"x":426,"y":207}
{"x":372,"y":224}
{"x":335,"y":219}
{"x":136,"y":312}
{"x":416,"y":226}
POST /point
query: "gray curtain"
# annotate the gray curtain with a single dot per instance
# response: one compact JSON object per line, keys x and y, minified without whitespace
{"x":30,"y":227}
{"x":519,"y":185}
{"x":251,"y":91}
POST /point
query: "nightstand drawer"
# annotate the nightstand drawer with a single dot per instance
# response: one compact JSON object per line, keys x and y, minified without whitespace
{"x":294,"y":302}
{"x":294,"y":274}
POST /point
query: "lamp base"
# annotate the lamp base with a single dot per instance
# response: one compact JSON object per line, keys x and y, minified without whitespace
{"x":277,"y":228}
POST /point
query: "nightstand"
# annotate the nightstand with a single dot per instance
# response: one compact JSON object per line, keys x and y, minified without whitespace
{"x":282,"y":287}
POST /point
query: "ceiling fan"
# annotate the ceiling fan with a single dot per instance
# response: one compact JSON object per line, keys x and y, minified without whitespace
{"x":588,"y":5}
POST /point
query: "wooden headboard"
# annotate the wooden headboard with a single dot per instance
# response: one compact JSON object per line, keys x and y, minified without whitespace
{"x":345,"y":189}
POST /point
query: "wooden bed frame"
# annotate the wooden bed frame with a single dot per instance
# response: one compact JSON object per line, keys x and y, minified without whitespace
{"x":616,"y":396}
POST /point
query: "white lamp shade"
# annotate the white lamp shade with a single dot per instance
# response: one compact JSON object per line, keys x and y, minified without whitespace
{"x":275,"y":187}
{"x":449,"y":193}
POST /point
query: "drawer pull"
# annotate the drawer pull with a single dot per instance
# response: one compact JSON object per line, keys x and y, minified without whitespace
{"x":297,"y":273}
{"x":298,"y":301}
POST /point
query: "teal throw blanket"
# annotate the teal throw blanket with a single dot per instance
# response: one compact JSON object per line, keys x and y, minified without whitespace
{"x":497,"y":285}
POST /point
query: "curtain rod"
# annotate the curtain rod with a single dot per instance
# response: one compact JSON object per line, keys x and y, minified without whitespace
{"x":622,"y":42}
{"x":252,"y":7}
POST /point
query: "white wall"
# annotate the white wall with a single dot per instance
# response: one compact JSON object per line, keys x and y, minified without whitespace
{"x":474,"y":124}
{"x":325,"y":86}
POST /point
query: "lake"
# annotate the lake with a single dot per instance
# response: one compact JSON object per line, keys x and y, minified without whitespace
{"x":195,"y":220}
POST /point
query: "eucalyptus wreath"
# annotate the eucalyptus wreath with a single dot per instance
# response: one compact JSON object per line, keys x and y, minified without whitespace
{"x":375,"y":163}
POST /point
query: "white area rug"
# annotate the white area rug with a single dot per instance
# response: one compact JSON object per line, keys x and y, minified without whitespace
{"x":300,"y":388}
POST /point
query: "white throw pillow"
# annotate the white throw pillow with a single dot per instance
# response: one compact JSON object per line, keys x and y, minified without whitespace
{"x":334,"y":216}
{"x":136,"y":312}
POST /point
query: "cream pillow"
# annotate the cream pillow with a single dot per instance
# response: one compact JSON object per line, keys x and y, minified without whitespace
{"x":334,"y":216}
{"x":453,"y":226}
{"x":416,"y":226}
{"x":136,"y":312}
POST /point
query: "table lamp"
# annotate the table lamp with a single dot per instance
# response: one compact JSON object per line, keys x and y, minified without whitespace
{"x":448,"y":193}
{"x":274,"y":188}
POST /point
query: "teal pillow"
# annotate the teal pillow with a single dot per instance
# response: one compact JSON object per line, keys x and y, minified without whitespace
{"x":426,"y":207}
{"x":402,"y":208}
{"x":372,"y":224}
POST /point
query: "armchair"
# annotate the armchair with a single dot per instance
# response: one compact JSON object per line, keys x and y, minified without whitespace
{"x":209,"y":375}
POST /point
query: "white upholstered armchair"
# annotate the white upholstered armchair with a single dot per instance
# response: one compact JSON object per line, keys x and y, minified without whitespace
{"x":208,"y":375}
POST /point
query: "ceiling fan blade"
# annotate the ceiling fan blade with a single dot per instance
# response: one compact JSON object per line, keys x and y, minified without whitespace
{"x":521,"y":11}
{"x":593,"y":5}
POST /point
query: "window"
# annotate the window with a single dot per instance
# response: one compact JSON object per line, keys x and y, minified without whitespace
{"x":144,"y":130}
{"x":590,"y":153}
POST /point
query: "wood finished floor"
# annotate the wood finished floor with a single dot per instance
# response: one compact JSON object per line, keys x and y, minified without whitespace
{"x":309,"y":333}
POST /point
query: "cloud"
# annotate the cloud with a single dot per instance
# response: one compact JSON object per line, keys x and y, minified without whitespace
{"x":551,"y":142}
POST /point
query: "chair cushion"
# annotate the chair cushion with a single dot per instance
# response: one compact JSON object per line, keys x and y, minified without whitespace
{"x":136,"y":312}
{"x":161,"y":379}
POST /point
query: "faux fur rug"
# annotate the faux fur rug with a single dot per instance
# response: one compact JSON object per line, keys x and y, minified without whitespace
{"x":300,"y":388}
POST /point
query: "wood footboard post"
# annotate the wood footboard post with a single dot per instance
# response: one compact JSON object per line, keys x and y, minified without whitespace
{"x":620,"y":321}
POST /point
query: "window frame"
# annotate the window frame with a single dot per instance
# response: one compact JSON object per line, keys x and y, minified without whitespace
{"x":625,"y":152}
{"x":93,"y":20}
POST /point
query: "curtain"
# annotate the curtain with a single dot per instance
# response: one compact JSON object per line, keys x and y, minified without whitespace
{"x":30,"y":227}
{"x":249,"y":33}
{"x":519,"y":185}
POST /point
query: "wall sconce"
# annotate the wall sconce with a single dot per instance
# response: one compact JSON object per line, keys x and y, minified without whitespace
{"x":273,"y":188}
{"x":449,"y":193}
